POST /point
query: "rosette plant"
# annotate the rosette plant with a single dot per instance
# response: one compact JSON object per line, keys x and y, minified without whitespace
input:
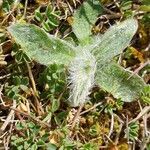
{"x":91,"y":61}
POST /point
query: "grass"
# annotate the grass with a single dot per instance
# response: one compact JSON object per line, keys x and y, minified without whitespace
{"x":34,"y":113}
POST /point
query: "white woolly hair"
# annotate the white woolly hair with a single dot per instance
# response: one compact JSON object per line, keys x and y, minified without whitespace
{"x":81,"y":78}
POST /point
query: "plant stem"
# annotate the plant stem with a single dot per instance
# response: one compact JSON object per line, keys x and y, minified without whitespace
{"x":93,"y":107}
{"x":32,"y":118}
{"x":34,"y":91}
{"x":76,"y":116}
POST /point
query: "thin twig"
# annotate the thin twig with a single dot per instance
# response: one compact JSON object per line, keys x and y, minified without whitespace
{"x":127,"y":129}
{"x":111,"y":16}
{"x":145,"y":110}
{"x":70,"y":8}
{"x":144,"y":143}
{"x":34,"y":91}
{"x":139,"y":68}
{"x":7,"y":143}
{"x":120,"y":129}
{"x":1,"y":99}
{"x":38,"y":105}
{"x":144,"y":120}
{"x":108,"y":138}
{"x":111,"y":125}
{"x":32,"y":118}
{"x":32,"y":78}
{"x":4,"y":76}
{"x":133,"y":145}
{"x":109,"y":11}
{"x":93,"y":107}
{"x":148,"y":47}
{"x":9,"y":117}
{"x":25,"y":9}
{"x":10,"y":13}
{"x":94,"y":139}
{"x":76,"y":116}
{"x":1,"y":44}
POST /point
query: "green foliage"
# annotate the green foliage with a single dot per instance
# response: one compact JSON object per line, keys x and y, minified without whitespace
{"x":113,"y":105}
{"x":89,"y":146}
{"x":19,"y":55}
{"x":32,"y":139}
{"x":6,"y":5}
{"x":83,"y":20}
{"x":116,"y":80}
{"x":52,"y":79}
{"x":114,"y":41}
{"x":71,"y":70}
{"x":41,"y":47}
{"x":51,"y":146}
{"x":145,"y":6}
{"x":2,"y":35}
{"x":67,"y":144}
{"x":145,"y":2}
{"x":55,"y":103}
{"x":148,"y":147}
{"x":125,"y":7}
{"x":94,"y":130}
{"x":145,"y":95}
{"x":19,"y":84}
{"x":49,"y":19}
{"x":132,"y":132}
{"x":83,"y":62}
{"x":126,"y":4}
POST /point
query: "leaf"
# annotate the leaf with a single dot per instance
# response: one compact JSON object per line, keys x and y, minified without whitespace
{"x":114,"y":41}
{"x":41,"y":47}
{"x":38,"y":15}
{"x":116,"y":80}
{"x":133,"y":130}
{"x":55,"y":105}
{"x":83,"y":20}
{"x":51,"y":146}
{"x":145,"y":8}
{"x":145,"y":95}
